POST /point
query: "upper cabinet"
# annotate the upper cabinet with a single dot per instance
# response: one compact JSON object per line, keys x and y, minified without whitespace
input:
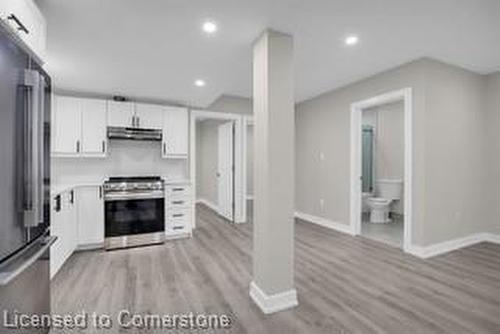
{"x":79,"y":127}
{"x":175,"y":133}
{"x":149,"y":116}
{"x":27,"y":22}
{"x":121,"y":114}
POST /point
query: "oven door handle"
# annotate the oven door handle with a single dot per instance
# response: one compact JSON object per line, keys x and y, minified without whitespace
{"x":133,"y":196}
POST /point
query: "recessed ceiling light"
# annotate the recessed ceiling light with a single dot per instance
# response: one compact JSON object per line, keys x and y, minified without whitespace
{"x":209,"y":27}
{"x":351,"y":40}
{"x":199,"y":83}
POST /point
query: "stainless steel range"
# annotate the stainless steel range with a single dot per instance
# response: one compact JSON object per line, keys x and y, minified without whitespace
{"x":134,"y":211}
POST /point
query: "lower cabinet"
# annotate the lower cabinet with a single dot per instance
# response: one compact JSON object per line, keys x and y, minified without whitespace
{"x":77,"y":219}
{"x":178,"y":210}
{"x":64,"y":226}
{"x":90,"y":217}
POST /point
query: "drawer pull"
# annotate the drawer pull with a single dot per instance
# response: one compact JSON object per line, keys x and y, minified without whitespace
{"x":177,"y":189}
{"x":177,"y":215}
{"x":178,"y":202}
{"x":178,"y":227}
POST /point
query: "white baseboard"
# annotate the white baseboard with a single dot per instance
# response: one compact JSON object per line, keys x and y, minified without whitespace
{"x":87,"y":247}
{"x":273,"y":303}
{"x":491,"y":237}
{"x":208,"y":203}
{"x":326,"y":223}
{"x":451,"y":245}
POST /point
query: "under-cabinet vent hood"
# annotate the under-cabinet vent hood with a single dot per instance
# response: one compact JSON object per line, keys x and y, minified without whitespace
{"x":133,"y":133}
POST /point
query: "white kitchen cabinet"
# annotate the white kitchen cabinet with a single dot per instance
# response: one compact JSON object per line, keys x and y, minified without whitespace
{"x":149,"y":116}
{"x":28,"y":23}
{"x":175,"y":133}
{"x":121,"y":114}
{"x":66,"y":126}
{"x":64,"y":226}
{"x":90,"y":217}
{"x":179,"y":209}
{"x":79,"y":127}
{"x":93,"y":116}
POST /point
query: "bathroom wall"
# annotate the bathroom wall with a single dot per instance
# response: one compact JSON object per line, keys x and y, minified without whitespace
{"x":125,"y":158}
{"x":388,"y":122}
{"x":449,"y":158}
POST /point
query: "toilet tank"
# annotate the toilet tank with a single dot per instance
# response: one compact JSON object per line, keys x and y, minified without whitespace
{"x":390,"y":188}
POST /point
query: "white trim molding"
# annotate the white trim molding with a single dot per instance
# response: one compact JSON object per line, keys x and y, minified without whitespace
{"x":344,"y":228}
{"x":273,"y":303}
{"x":440,"y":248}
{"x":209,"y":204}
{"x":404,"y":95}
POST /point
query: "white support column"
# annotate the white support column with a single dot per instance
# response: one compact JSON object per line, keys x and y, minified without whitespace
{"x":272,"y":287}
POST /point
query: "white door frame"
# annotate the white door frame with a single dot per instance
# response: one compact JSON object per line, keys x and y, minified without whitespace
{"x":240,"y":206}
{"x":404,"y":95}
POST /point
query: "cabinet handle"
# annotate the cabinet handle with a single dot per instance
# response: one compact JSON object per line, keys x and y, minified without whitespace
{"x":177,"y":215}
{"x":57,"y":207}
{"x":178,"y":227}
{"x":20,"y":25}
{"x":100,"y":191}
{"x":77,"y":146}
{"x":103,"y":146}
{"x":164,"y":148}
{"x":178,"y":202}
{"x":177,"y":189}
{"x":72,"y":197}
{"x":138,"y":122}
{"x":134,"y":122}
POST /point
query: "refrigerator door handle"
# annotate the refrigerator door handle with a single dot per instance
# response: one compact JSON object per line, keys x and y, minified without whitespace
{"x":31,"y":187}
{"x":41,"y":148}
{"x":22,"y":261}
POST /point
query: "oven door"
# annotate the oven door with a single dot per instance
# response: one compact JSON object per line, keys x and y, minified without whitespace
{"x":134,"y":216}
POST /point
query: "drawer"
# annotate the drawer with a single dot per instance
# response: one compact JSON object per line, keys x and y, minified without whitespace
{"x":179,"y":214}
{"x":177,"y":202}
{"x":178,"y":191}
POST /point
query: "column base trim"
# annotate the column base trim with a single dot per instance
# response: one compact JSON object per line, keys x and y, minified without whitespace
{"x":273,"y":303}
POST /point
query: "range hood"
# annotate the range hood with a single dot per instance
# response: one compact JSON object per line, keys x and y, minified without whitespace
{"x":133,"y":133}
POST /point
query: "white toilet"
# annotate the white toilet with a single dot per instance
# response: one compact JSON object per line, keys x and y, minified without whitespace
{"x":387,"y":192}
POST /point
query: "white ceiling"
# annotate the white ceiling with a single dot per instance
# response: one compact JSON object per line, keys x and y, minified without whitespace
{"x":156,"y":49}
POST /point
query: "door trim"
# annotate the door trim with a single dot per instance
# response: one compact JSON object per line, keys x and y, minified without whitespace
{"x":240,"y":209}
{"x":404,"y":95}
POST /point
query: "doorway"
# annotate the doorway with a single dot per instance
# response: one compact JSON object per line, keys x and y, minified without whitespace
{"x":217,"y":163}
{"x":381,"y":168}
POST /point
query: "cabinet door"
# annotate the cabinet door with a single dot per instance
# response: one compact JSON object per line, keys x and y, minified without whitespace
{"x":56,"y":229}
{"x":90,"y":216}
{"x":94,"y":140}
{"x":120,"y":113}
{"x":67,"y":127}
{"x":24,"y":17}
{"x":175,"y":133}
{"x":149,"y":116}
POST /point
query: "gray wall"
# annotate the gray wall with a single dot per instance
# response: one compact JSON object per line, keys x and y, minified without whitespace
{"x":448,"y":155}
{"x":388,"y":123}
{"x":206,"y":161}
{"x":493,"y":107}
{"x":232,"y":104}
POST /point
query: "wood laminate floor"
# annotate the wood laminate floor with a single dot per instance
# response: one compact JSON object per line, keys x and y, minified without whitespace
{"x":345,"y":284}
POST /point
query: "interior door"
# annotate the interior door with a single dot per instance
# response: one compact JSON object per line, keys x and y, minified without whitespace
{"x":225,"y":174}
{"x":93,"y":127}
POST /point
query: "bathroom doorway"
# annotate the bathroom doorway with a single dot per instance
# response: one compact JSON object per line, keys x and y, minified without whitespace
{"x":381,"y":151}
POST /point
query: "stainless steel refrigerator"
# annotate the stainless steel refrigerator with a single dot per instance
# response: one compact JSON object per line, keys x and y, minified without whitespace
{"x":25,"y":91}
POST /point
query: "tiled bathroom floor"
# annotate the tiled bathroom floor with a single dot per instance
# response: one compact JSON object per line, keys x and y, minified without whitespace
{"x":391,"y":233}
